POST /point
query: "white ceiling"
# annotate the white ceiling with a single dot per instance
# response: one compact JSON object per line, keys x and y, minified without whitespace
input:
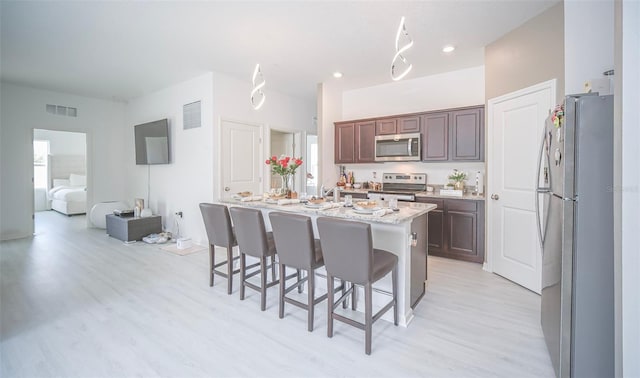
{"x":122,"y":50}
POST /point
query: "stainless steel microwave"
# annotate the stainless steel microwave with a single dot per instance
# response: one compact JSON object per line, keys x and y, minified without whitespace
{"x":398,"y":147}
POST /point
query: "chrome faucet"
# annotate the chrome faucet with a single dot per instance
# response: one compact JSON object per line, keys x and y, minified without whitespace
{"x":335,"y":191}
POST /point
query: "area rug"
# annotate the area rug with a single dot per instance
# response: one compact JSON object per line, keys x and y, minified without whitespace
{"x":183,"y":252}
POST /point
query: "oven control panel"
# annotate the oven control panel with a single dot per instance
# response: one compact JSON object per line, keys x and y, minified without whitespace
{"x":404,"y":178}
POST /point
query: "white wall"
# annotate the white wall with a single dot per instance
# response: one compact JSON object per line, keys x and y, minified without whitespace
{"x":588,"y":41}
{"x":447,"y":90}
{"x":22,"y":110}
{"x":280,"y":111}
{"x":192,"y":176}
{"x":187,"y":180}
{"x":329,"y":111}
{"x":62,"y":142}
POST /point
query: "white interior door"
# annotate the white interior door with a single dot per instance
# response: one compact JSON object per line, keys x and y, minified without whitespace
{"x":241,"y":158}
{"x":516,"y":121}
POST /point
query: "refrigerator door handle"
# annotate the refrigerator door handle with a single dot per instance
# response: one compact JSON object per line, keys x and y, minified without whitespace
{"x":539,"y":191}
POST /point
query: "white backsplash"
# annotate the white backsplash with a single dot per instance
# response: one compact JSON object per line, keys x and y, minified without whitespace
{"x":437,"y":173}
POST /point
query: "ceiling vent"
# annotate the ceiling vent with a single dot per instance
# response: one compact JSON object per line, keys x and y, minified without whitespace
{"x":191,"y":115}
{"x":62,"y":110}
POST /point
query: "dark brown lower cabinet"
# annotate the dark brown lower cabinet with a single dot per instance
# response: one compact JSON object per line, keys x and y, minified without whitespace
{"x":456,"y":229}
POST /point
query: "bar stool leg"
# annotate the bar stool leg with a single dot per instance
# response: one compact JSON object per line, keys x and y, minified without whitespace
{"x":229,"y":269}
{"x":282,"y":287}
{"x":299,"y":277}
{"x":243,"y":267}
{"x":354,"y":299}
{"x":273,"y":268}
{"x":330,"y":304}
{"x":311,"y":280}
{"x":263,"y":281}
{"x":212,"y":263}
{"x":344,"y":290}
{"x":367,"y":317}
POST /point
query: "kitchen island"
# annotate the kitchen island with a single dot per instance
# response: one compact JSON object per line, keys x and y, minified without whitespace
{"x":402,"y":232}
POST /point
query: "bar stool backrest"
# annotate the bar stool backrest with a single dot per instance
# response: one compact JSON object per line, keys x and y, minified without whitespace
{"x":347,"y":248}
{"x":217,"y":222}
{"x":250,"y":231}
{"x":293,"y":235}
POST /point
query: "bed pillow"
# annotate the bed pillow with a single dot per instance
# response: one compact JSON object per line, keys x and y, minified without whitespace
{"x":77,"y":180}
{"x":60,"y":182}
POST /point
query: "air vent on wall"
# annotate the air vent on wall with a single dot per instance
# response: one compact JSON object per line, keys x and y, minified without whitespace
{"x":191,"y":115}
{"x":62,"y":110}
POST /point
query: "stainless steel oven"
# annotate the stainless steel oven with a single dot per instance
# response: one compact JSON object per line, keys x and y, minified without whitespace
{"x":402,"y":186}
{"x":398,"y":147}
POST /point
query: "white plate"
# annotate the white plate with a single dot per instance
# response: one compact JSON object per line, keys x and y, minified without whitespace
{"x":360,"y":210}
{"x":315,"y":205}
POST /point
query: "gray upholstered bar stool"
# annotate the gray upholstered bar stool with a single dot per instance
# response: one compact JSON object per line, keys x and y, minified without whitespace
{"x":298,"y":249}
{"x":220,"y":233}
{"x":253,"y":240}
{"x":348,"y":252}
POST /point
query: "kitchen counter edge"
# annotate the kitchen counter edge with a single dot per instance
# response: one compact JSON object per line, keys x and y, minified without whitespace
{"x":466,"y":196}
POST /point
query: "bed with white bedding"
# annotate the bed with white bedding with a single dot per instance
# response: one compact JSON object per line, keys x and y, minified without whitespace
{"x":69,"y":200}
{"x":68,"y":185}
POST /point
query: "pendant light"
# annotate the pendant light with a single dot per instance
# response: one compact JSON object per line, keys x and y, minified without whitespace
{"x":398,"y":57}
{"x":257,"y":95}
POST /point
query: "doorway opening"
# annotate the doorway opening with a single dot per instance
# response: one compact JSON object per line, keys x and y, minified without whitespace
{"x":312,"y":165}
{"x":289,"y":143}
{"x":282,"y":144}
{"x":59,"y":173}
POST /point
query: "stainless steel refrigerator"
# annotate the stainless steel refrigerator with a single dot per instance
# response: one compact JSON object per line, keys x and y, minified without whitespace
{"x":575,"y":209}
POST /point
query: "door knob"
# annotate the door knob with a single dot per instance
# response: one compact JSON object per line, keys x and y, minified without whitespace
{"x":226,"y":188}
{"x":495,"y":197}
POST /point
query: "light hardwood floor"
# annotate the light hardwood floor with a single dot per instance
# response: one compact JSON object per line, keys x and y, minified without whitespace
{"x":77,"y":303}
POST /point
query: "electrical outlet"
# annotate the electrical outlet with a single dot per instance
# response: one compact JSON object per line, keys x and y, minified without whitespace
{"x":179,"y":214}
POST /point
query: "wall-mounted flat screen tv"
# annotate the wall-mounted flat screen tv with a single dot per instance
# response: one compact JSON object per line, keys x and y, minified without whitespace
{"x":152,"y":143}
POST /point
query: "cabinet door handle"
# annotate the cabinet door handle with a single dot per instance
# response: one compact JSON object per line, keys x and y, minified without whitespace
{"x":495,"y":197}
{"x":226,"y":188}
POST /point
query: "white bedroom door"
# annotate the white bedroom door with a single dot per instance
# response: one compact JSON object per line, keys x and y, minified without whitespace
{"x":241,"y":158}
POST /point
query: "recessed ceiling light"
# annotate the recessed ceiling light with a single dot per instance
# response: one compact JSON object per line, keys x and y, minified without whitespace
{"x":337,"y":74}
{"x":448,"y":48}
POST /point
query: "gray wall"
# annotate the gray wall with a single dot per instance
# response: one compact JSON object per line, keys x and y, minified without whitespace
{"x":528,"y":55}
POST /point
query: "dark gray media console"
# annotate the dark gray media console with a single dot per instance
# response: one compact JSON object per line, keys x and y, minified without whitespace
{"x":131,"y":228}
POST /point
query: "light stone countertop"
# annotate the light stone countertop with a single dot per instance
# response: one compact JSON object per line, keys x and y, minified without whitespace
{"x":407,"y":212}
{"x":434,"y":194}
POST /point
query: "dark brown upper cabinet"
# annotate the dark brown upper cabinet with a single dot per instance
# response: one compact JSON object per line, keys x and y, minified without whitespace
{"x":456,"y":135}
{"x":386,"y":126}
{"x":355,"y":142}
{"x":467,"y":135}
{"x":365,"y":142}
{"x":401,"y":125}
{"x":447,"y":135}
{"x":435,"y":136}
{"x":345,"y":143}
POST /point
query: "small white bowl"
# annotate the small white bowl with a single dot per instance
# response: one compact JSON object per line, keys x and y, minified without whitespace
{"x":357,"y":186}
